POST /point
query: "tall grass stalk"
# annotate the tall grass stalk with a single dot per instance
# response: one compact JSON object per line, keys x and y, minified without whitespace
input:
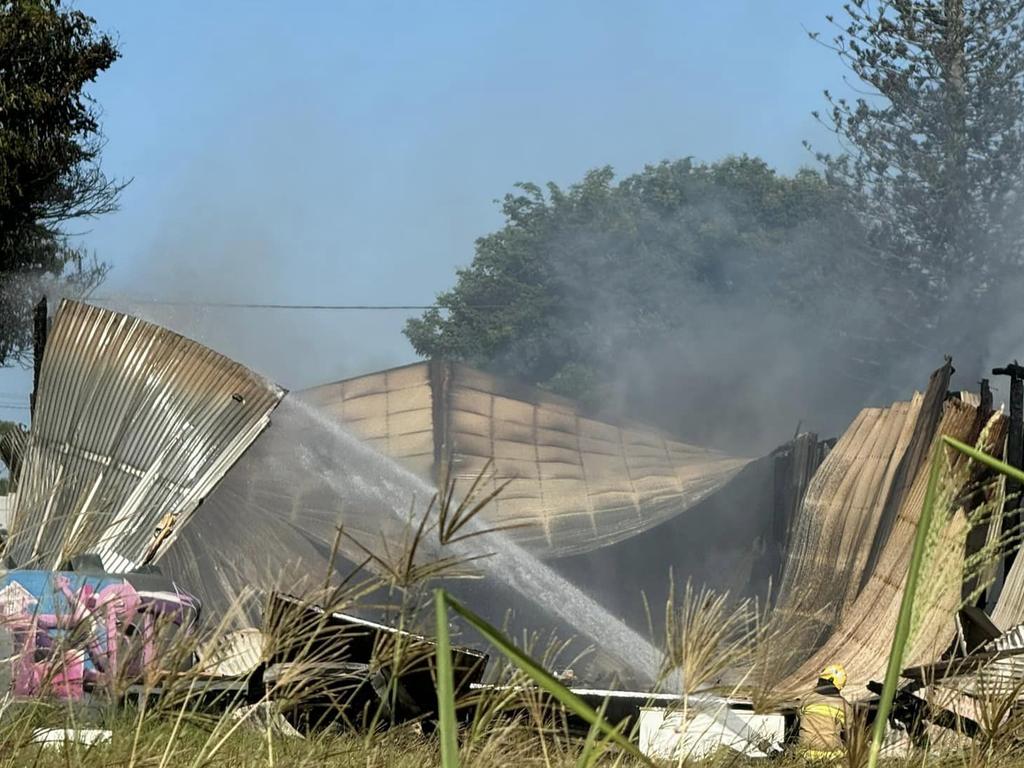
{"x":537,"y":674}
{"x":989,"y":461}
{"x":903,"y":623}
{"x":445,"y":685}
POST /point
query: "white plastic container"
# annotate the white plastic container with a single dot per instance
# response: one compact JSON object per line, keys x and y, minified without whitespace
{"x":665,"y":735}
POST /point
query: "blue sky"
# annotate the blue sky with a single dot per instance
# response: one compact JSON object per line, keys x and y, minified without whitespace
{"x":351,"y":152}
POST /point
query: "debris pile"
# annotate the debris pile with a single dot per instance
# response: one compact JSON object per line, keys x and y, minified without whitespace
{"x":70,"y":633}
{"x":138,"y":521}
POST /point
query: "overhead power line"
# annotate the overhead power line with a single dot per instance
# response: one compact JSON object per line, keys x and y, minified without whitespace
{"x":259,"y":305}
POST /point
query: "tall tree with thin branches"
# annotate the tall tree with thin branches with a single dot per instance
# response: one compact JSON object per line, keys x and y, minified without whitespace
{"x":933,"y":147}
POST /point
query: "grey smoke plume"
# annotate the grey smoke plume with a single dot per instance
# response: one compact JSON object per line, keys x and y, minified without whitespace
{"x":297,"y":348}
{"x":715,"y":316}
{"x":804,"y":330}
{"x":785,"y":333}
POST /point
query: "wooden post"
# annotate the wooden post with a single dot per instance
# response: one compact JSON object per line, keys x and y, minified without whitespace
{"x":1014,"y":454}
{"x":440,"y":375}
{"x":39,"y":333}
{"x":985,"y":407}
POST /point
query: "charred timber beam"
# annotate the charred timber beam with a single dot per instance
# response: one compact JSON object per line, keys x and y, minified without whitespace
{"x":1014,"y":454}
{"x":40,"y":329}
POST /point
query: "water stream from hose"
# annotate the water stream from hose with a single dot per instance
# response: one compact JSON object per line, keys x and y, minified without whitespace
{"x":309,"y":474}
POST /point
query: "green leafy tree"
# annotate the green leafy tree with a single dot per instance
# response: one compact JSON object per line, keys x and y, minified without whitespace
{"x":50,"y":143}
{"x":933,"y":149}
{"x":598,"y":290}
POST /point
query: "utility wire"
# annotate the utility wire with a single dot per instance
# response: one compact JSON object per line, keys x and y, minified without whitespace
{"x":257,"y":305}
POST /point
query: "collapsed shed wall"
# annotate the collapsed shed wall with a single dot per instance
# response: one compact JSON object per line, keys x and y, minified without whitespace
{"x":571,"y":482}
{"x":852,"y":502}
{"x":863,"y":637}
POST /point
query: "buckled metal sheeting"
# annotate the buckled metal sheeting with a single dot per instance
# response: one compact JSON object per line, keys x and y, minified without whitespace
{"x":134,"y":425}
{"x":571,"y":481}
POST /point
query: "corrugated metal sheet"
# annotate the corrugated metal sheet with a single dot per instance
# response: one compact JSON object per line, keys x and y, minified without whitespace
{"x":863,"y":638}
{"x":575,"y":482}
{"x":852,"y":502}
{"x":133,"y":426}
{"x":391,"y":411}
{"x":1001,"y":677}
{"x":6,"y":505}
{"x":837,"y":521}
{"x":1009,"y":608}
{"x":13,"y":445}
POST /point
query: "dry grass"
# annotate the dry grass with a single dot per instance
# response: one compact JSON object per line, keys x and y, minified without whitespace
{"x":710,"y":643}
{"x":510,"y":725}
{"x":160,"y":744}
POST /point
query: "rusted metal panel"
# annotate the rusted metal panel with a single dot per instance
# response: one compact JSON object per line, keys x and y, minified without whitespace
{"x":831,"y":533}
{"x":134,"y":425}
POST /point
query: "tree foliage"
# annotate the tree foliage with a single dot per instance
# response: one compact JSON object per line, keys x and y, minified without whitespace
{"x":580,"y":280}
{"x":933,"y":144}
{"x":50,"y":144}
{"x":869,"y":271}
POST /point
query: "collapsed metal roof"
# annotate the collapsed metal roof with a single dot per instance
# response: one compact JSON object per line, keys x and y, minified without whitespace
{"x":575,"y":482}
{"x":133,"y":426}
{"x":843,"y":511}
{"x":854,"y":537}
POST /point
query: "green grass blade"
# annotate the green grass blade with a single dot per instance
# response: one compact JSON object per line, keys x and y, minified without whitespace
{"x":445,"y":685}
{"x":899,"y":640}
{"x":595,"y":745}
{"x":980,"y":456}
{"x":544,"y":679}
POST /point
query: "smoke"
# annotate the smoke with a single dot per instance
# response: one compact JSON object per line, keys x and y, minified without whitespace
{"x":297,"y":348}
{"x":685,"y":316}
{"x":750,"y":373}
{"x":695,"y":320}
{"x":724,"y":341}
{"x":228,"y":231}
{"x":704,"y":320}
{"x":997,"y":328}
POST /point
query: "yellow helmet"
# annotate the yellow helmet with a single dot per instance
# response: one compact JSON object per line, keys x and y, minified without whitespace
{"x":835,"y":674}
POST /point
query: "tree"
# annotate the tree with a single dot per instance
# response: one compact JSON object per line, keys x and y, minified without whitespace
{"x":627,"y":294}
{"x":933,"y":149}
{"x":50,"y":145}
